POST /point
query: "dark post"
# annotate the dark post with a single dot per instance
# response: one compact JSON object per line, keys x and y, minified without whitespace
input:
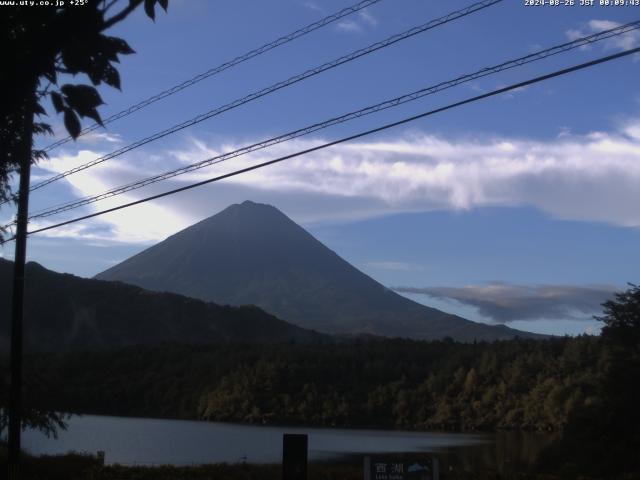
{"x":294,"y":456}
{"x":17,"y":305}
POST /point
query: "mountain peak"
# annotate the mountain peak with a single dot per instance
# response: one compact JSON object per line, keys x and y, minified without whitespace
{"x":251,"y":205}
{"x":242,"y":227}
{"x":246,"y":211}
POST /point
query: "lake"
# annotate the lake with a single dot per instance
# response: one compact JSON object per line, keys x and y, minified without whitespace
{"x":142,"y":441}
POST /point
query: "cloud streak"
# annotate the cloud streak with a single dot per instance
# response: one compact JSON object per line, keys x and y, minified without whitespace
{"x":359,"y":24}
{"x":591,"y":177}
{"x":506,"y":303}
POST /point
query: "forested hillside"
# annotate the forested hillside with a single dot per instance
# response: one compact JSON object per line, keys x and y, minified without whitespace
{"x":64,"y":312}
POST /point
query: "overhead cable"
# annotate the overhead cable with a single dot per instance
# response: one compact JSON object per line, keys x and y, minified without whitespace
{"x":221,"y":68}
{"x":387,"y":126}
{"x":277,"y":86}
{"x":536,"y":56}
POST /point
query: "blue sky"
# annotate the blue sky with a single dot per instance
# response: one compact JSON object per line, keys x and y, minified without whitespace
{"x":519,"y":209}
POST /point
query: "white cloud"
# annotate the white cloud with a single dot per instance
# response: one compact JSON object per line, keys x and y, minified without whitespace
{"x":633,"y":131}
{"x":512,"y":93}
{"x":313,"y":6}
{"x":362,"y":21}
{"x":564,"y":132}
{"x":592,"y":177}
{"x":366,"y":16}
{"x":143,"y":224}
{"x":473,"y":86}
{"x":97,"y":137}
{"x":350,"y":26}
{"x":625,"y":41}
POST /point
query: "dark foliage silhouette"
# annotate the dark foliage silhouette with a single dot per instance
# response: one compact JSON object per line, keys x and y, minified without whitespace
{"x":41,"y":45}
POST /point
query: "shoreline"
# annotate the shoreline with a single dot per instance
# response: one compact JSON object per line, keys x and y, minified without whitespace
{"x":299,"y":426}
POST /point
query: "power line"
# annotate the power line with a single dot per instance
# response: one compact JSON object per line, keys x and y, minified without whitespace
{"x":220,"y":68}
{"x":539,"y":55}
{"x":277,"y":86}
{"x":499,"y":91}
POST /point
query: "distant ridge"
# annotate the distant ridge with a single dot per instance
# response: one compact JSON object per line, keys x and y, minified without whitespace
{"x":64,"y":312}
{"x":252,"y":253}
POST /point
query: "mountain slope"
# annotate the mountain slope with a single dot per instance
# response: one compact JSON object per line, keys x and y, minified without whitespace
{"x":254,"y":254}
{"x":65,"y":312}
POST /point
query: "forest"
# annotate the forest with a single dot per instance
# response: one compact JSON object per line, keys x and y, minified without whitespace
{"x":522,"y":384}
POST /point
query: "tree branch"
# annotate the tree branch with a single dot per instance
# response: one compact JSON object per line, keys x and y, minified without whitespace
{"x":107,"y":6}
{"x":124,"y":13}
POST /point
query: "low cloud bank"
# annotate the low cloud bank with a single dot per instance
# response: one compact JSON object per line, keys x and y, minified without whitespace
{"x":505,"y":303}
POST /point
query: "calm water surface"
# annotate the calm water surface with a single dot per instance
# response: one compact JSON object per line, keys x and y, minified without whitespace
{"x":131,"y":441}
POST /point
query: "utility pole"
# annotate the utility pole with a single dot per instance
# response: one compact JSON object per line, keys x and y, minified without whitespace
{"x":17,"y":305}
